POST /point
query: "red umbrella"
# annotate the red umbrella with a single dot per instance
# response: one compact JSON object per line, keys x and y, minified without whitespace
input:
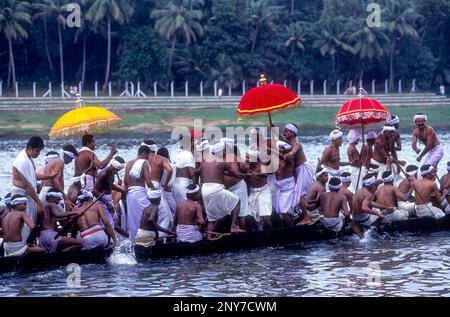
{"x":267,"y":99}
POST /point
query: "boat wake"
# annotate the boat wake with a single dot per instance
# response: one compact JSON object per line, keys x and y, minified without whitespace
{"x":123,"y":253}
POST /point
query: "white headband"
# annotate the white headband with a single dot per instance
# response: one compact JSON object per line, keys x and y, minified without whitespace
{"x":335,"y":134}
{"x":413,"y":172}
{"x":389,"y":179}
{"x":193,"y":191}
{"x":426,"y":172}
{"x":291,"y":128}
{"x":57,"y":195}
{"x":369,"y":182}
{"x":68,"y":153}
{"x":334,"y":187}
{"x":374,"y":170}
{"x":419,"y":117}
{"x":284,"y":145}
{"x":394,"y":120}
{"x":8,"y":201}
{"x":387,"y":128}
{"x":346,"y":179}
{"x":216,"y":148}
{"x":117,"y":165}
{"x":321,"y":172}
{"x":353,"y":136}
{"x":18,"y":201}
{"x":153,"y":194}
{"x":371,"y":136}
{"x":152,"y":147}
{"x":50,"y":157}
{"x":85,"y":194}
{"x":202,"y":146}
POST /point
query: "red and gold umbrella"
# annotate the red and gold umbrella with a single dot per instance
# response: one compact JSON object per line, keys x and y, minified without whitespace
{"x":267,"y":99}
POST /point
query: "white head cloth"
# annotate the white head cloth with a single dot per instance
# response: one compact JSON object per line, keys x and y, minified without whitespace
{"x":117,"y":165}
{"x":18,"y":201}
{"x":216,"y":148}
{"x":292,"y":128}
{"x":373,"y":170}
{"x":228,"y":142}
{"x":389,"y":179}
{"x":420,"y":117}
{"x":412,"y":172}
{"x":284,"y":145}
{"x":346,"y":179}
{"x":203,"y":145}
{"x":57,"y":195}
{"x":371,"y":135}
{"x":153,"y":193}
{"x":321,"y":172}
{"x":50,"y":157}
{"x":353,"y":136}
{"x":369,"y":182}
{"x":193,"y":191}
{"x":427,"y":171}
{"x":388,"y":128}
{"x":68,"y":153}
{"x":152,"y":147}
{"x":335,"y":134}
{"x":85,"y":194}
{"x":393,"y":120}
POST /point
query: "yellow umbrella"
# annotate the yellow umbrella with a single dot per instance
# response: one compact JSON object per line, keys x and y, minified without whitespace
{"x":83,"y":119}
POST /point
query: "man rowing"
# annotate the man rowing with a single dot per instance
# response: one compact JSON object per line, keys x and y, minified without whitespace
{"x":105,"y":185}
{"x":355,"y":160}
{"x":304,"y":173}
{"x":426,"y":189}
{"x":331,"y":159}
{"x":92,"y":233}
{"x":189,"y":222}
{"x":363,"y":214}
{"x":346,"y":180}
{"x":405,"y":186}
{"x":56,"y":166}
{"x":53,"y":212}
{"x":12,"y":224}
{"x":137,"y":176}
{"x":87,"y":157}
{"x":433,"y":148}
{"x":218,"y":201}
{"x":308,"y":202}
{"x":388,"y":195}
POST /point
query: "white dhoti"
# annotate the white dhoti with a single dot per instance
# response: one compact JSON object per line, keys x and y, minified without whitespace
{"x":284,"y":200}
{"x":304,"y":177}
{"x":428,"y":210}
{"x":357,"y":175}
{"x":273,"y":188}
{"x":31,"y":210}
{"x":188,"y":233}
{"x":179,"y":189}
{"x":94,"y":237}
{"x":332,"y":223}
{"x":136,"y":202}
{"x":43,"y":193}
{"x":169,"y":196}
{"x":332,"y":172}
{"x":48,"y":242}
{"x":145,"y":238}
{"x":408,"y":206}
{"x":435,"y":155}
{"x":445,"y":207}
{"x":314,"y":215}
{"x":165,"y":219}
{"x":260,"y":202}
{"x":15,"y":248}
{"x":240,"y":190}
{"x":383,"y":167}
{"x":397,"y":215}
{"x":112,"y":217}
{"x":364,"y":219}
{"x":218,"y":201}
{"x":87,"y":183}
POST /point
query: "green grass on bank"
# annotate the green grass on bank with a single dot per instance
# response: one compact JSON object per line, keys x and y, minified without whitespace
{"x":310,"y":120}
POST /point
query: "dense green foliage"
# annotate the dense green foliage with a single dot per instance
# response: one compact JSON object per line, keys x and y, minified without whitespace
{"x":225,"y":40}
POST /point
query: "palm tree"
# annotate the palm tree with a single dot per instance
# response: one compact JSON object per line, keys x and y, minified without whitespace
{"x":175,"y":21}
{"x":296,"y":36}
{"x":13,"y":18}
{"x":401,"y":23}
{"x":224,"y":71}
{"x":260,"y":15}
{"x":119,"y":11}
{"x":191,"y":62}
{"x":43,"y":8}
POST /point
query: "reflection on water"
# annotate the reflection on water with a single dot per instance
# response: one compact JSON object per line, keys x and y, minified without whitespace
{"x":396,"y":265}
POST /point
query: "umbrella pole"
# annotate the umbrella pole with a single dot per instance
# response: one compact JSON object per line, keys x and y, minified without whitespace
{"x":360,"y":169}
{"x":270,"y":120}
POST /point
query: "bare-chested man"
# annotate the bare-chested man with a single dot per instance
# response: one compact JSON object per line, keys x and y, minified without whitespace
{"x":445,"y":180}
{"x":12,"y":225}
{"x":331,"y":204}
{"x":388,"y":195}
{"x":304,"y":173}
{"x":396,"y":141}
{"x":367,"y":149}
{"x":331,"y":159}
{"x":150,"y":227}
{"x":87,"y":157}
{"x":158,"y":165}
{"x":218,"y":201}
{"x":185,"y":165}
{"x":137,"y":175}
{"x":382,"y":149}
{"x":92,"y":233}
{"x":105,"y":184}
{"x":405,"y":186}
{"x":362,"y":211}
{"x":53,"y":212}
{"x":346,"y":180}
{"x":260,"y":198}
{"x":189,"y":222}
{"x":355,"y":160}
{"x":425,"y":190}
{"x":56,"y":166}
{"x":308,"y":203}
{"x":433,"y":148}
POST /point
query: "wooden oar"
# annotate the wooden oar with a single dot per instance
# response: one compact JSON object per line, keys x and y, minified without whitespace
{"x":72,"y":221}
{"x":218,"y":235}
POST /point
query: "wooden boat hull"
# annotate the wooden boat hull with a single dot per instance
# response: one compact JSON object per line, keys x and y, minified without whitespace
{"x":422,"y":224}
{"x":37,"y":262}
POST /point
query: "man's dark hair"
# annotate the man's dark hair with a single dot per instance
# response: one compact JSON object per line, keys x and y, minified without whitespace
{"x":86,"y":139}
{"x":119,"y":159}
{"x":425,"y":167}
{"x":8,"y":195}
{"x":164,"y":152}
{"x":374,"y":166}
{"x":346,"y":174}
{"x":367,"y":177}
{"x":51,"y":153}
{"x":334,"y":181}
{"x":35,"y":142}
{"x":149,"y":142}
{"x":411,"y":168}
{"x":143,"y":149}
{"x":386,"y":174}
{"x":17,"y":196}
{"x":70,"y":148}
{"x":191,"y":187}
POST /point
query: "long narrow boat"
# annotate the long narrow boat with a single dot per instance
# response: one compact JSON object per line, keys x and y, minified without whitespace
{"x":37,"y":262}
{"x":278,"y":237}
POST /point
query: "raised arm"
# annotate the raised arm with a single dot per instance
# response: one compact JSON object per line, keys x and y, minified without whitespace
{"x":105,"y":162}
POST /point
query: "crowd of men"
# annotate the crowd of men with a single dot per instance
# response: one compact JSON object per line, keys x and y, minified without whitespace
{"x":210,"y":188}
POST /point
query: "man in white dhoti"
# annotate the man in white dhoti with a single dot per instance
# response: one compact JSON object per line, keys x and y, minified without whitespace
{"x":189,"y":220}
{"x":433,"y":148}
{"x":425,"y":188}
{"x":25,"y":179}
{"x":185,"y":164}
{"x":304,"y":173}
{"x":137,"y":176}
{"x":355,"y":160}
{"x":164,"y":220}
{"x":331,"y":159}
{"x":382,"y":150}
{"x":308,"y":203}
{"x":168,"y":194}
{"x":388,"y":195}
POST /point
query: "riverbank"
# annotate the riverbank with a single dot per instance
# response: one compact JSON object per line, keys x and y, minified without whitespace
{"x":310,"y":120}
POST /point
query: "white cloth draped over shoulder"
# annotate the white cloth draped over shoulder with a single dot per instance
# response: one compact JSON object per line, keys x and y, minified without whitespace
{"x":136,"y":169}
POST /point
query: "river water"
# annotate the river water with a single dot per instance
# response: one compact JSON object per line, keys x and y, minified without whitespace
{"x":394,"y":265}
